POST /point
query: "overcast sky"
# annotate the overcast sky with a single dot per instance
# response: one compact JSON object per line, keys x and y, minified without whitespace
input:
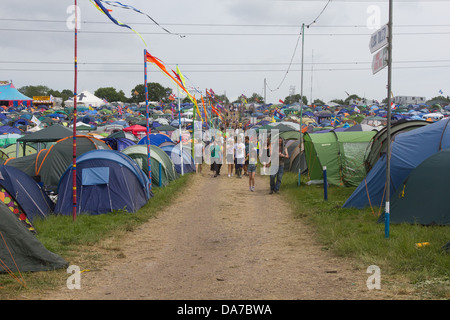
{"x":230,"y":46}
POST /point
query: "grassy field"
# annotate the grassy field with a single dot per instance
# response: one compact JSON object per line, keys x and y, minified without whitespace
{"x":355,"y":234}
{"x":85,"y":240}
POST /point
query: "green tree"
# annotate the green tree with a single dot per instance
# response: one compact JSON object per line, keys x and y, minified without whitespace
{"x":318,"y":102}
{"x":31,"y":91}
{"x":156,"y":92}
{"x":255,"y":98}
{"x":295,"y":98}
{"x":338,"y":101}
{"x":110,"y":94}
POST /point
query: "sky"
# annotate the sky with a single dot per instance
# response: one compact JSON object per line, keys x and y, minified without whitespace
{"x":233,"y":47}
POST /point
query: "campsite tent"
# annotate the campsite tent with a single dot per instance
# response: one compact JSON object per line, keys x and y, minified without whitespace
{"x":409,"y":149}
{"x":341,"y":152}
{"x":10,"y":96}
{"x":139,"y":154}
{"x":174,"y":152}
{"x":155,"y":139}
{"x":85,"y":98}
{"x":52,"y":133}
{"x":20,"y":250}
{"x":19,"y":187}
{"x":107,"y":180}
{"x":377,"y":146}
{"x":50,"y":164}
{"x":422,"y":197}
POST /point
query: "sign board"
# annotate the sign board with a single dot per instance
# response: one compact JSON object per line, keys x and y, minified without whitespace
{"x":41,"y":98}
{"x":380,"y":60}
{"x":379,"y":39}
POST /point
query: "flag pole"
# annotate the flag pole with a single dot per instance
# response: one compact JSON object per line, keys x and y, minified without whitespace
{"x":149,"y":163}
{"x":388,"y":136}
{"x":301,"y":106}
{"x":179,"y":125}
{"x":74,"y":164}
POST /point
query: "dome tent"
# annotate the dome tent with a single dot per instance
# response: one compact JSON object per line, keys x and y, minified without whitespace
{"x":139,"y":154}
{"x":421,"y":199}
{"x":107,"y":180}
{"x":409,"y":149}
{"x":20,"y":250}
{"x":23,"y":189}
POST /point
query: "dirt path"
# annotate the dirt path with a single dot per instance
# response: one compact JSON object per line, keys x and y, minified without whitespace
{"x":221,"y":241}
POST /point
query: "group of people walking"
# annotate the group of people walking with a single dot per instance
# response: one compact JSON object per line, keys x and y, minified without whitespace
{"x":241,"y":154}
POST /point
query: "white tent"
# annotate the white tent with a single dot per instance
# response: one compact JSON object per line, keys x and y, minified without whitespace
{"x":85,"y":98}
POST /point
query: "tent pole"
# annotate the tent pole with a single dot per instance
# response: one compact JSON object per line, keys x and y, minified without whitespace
{"x":148,"y":126}
{"x":74,"y":165}
{"x":388,"y":136}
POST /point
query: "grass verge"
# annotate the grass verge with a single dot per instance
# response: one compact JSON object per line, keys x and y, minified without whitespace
{"x":355,"y":234}
{"x":84,"y":240}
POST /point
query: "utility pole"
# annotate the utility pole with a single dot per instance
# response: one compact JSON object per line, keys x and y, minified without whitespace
{"x":388,"y":136}
{"x":301,"y":102}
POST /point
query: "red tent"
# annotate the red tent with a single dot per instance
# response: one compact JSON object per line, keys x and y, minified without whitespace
{"x":137,"y":130}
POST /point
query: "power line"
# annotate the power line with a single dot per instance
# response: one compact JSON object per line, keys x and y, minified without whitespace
{"x":21,"y":20}
{"x":218,"y":71}
{"x":220,"y":63}
{"x":223,"y":34}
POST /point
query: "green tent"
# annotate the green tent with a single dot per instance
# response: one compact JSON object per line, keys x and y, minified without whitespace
{"x":20,"y":250}
{"x":158,"y":156}
{"x":341,"y":152}
{"x":45,"y":136}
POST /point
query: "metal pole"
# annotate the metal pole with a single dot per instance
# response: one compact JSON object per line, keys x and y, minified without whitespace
{"x":388,"y":136}
{"x":149,"y":163}
{"x":74,"y":164}
{"x":265,"y":101}
{"x":179,"y":125}
{"x":301,"y":104}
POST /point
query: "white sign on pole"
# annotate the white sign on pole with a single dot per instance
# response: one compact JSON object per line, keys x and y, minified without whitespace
{"x":380,"y":60}
{"x":379,"y":39}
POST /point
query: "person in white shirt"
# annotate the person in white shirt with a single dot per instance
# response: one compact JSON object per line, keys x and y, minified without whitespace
{"x":198,"y":155}
{"x":230,"y":152}
{"x":240,"y":156}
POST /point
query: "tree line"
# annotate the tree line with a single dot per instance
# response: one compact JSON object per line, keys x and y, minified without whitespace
{"x":156,"y":92}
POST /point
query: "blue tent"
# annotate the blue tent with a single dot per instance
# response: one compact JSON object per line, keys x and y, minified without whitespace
{"x":26,"y":192}
{"x":155,"y":139}
{"x":174,"y":151}
{"x":409,"y":149}
{"x":107,"y":180}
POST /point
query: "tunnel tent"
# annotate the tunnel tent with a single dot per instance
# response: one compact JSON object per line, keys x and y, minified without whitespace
{"x":158,"y":156}
{"x":342,"y":153}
